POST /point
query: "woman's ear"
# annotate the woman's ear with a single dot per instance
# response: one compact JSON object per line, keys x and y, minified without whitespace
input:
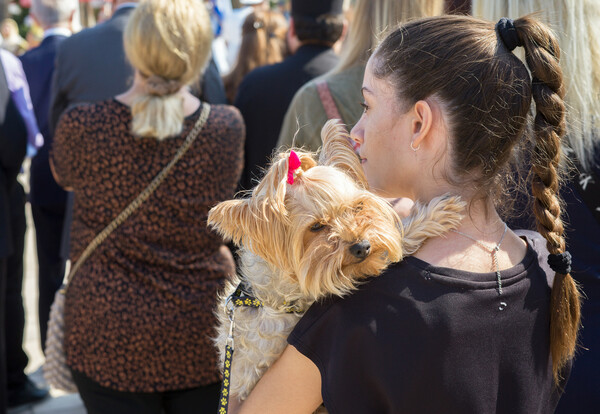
{"x":421,"y":124}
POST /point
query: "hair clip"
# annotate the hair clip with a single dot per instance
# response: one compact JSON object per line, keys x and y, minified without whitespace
{"x":293,"y":164}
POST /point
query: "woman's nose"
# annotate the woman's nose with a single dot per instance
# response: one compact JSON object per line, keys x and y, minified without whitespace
{"x":357,"y":133}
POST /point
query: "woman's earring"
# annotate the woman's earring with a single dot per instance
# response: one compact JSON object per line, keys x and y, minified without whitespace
{"x":413,"y":148}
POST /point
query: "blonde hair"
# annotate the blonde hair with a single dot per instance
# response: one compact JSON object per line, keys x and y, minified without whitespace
{"x":263,"y":43}
{"x":577,"y":25}
{"x":372,"y":18}
{"x":168,"y":42}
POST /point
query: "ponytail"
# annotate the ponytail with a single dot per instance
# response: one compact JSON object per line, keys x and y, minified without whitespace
{"x":168,"y":43}
{"x":542,"y":55}
{"x":159,"y":112}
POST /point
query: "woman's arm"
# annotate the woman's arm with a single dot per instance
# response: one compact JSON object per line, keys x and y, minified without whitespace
{"x":291,"y":385}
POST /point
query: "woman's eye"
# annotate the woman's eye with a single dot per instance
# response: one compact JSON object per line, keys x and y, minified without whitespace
{"x":317,"y":227}
{"x":365,"y":106}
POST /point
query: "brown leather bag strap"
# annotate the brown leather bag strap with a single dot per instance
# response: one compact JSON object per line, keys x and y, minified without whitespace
{"x":331,"y":109}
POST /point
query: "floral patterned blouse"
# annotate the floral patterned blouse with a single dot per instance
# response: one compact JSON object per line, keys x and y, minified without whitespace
{"x":139,"y":312}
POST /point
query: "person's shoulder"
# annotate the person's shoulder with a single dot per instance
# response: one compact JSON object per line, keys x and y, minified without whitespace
{"x":309,"y":89}
{"x":225,"y":111}
{"x":259,"y":75}
{"x":72,"y":44}
{"x":79,"y":37}
{"x":89,"y":35}
{"x":228,"y":117}
{"x":8,"y":59}
{"x":46,"y":50}
{"x":30,"y":55}
{"x":345,"y":78}
{"x":537,"y":243}
{"x":394,"y":278}
{"x":87,"y":112}
{"x":255,"y":83}
{"x":348,"y":309}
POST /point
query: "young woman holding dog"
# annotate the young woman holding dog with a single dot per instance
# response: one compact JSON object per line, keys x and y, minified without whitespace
{"x":469,"y":324}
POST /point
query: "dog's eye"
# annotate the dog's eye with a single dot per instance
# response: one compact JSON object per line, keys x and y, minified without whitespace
{"x":318,"y":226}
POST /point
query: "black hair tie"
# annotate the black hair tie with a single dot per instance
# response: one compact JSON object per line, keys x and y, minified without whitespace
{"x":560,"y":263}
{"x":508,"y":34}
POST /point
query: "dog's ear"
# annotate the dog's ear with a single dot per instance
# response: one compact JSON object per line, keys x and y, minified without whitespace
{"x":337,"y":151}
{"x":227,"y":219}
{"x":256,"y":225}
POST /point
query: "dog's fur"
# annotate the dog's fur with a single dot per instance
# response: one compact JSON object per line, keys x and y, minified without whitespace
{"x":296,"y":244}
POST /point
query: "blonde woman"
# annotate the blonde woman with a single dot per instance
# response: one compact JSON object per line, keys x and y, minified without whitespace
{"x":306,"y":114}
{"x":263,"y":43}
{"x":577,"y":26}
{"x":139,"y":312}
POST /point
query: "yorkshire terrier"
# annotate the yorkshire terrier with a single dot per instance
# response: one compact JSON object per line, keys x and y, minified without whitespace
{"x":308,"y":230}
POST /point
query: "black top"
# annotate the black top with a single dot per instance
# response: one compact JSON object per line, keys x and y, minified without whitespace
{"x":424,"y":339}
{"x":263,"y":99}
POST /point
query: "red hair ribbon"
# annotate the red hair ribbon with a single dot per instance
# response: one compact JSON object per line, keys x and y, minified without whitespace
{"x":293,"y":164}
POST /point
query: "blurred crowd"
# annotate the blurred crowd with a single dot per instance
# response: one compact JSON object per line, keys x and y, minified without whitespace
{"x":100,"y":95}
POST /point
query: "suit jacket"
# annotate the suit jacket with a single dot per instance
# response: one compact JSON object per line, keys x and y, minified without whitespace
{"x":91,"y":66}
{"x":38,"y":65}
{"x":13,"y":147}
{"x":264,"y":96}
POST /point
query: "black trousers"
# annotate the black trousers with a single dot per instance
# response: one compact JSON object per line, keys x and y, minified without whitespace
{"x":100,"y":400}
{"x":14,"y":316}
{"x":49,"y":222}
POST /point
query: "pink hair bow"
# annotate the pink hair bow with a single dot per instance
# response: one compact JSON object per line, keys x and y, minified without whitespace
{"x":293,"y":164}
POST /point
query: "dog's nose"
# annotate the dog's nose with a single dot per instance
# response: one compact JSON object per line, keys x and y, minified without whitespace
{"x":361,"y":249}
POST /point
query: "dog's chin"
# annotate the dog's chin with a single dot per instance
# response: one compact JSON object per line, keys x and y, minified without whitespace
{"x":371,"y":265}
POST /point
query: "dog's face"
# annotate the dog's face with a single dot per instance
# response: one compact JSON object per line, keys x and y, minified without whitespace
{"x":326,"y":230}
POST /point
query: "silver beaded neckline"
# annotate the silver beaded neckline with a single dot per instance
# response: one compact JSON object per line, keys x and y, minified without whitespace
{"x":492,"y":250}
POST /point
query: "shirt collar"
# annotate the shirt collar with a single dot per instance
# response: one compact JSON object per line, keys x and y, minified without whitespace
{"x":57,"y":31}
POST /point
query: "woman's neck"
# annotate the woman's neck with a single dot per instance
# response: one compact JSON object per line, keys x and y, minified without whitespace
{"x":464,"y":249}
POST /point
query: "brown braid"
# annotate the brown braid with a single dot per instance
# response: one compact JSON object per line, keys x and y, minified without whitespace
{"x":542,"y":55}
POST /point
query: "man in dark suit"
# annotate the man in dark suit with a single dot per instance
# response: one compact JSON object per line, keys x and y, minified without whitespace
{"x":265,"y":93}
{"x":47,"y":199}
